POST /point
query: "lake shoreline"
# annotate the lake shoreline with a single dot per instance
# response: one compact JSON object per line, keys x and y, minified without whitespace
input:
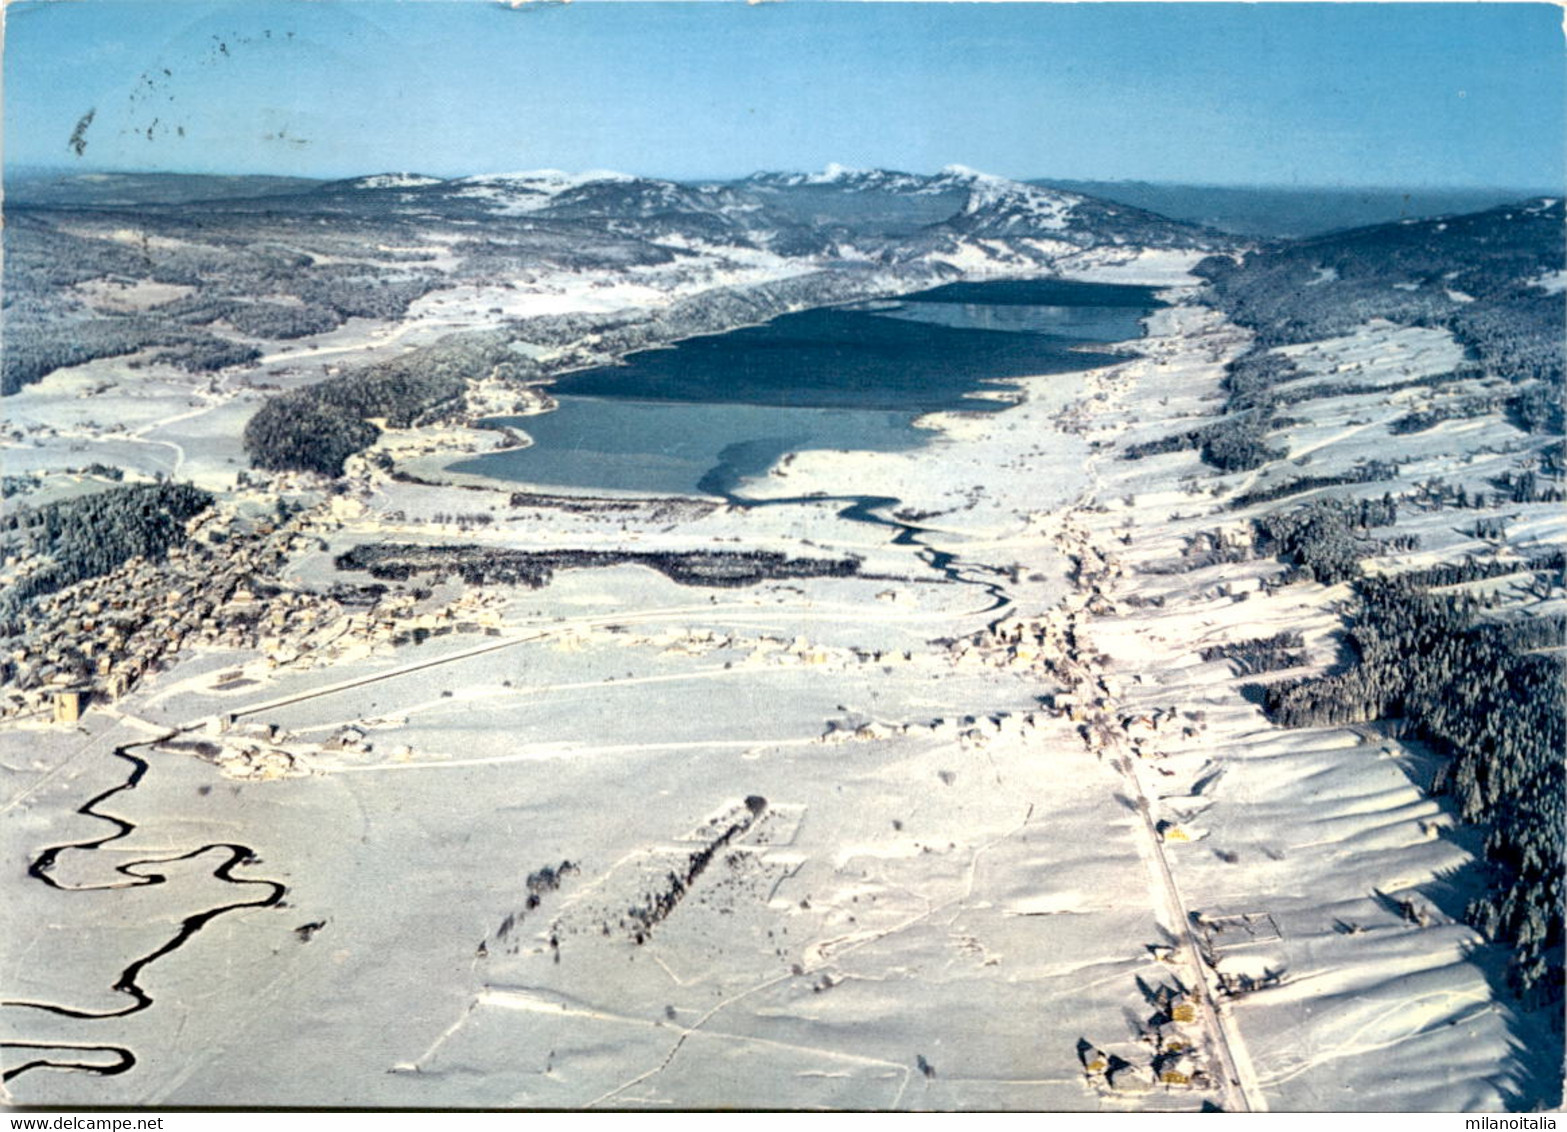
{"x":609,"y":434}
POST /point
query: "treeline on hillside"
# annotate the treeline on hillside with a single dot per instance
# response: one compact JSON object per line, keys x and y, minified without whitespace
{"x":1467,"y":274}
{"x":1480,"y":694}
{"x":49,"y":327}
{"x":1518,"y":333}
{"x":1326,"y":539}
{"x":41,"y":258}
{"x":1319,"y":390}
{"x":317,"y":428}
{"x":1366,"y":471}
{"x":93,"y":534}
{"x":1263,"y":654}
{"x":36,"y":348}
{"x":1550,"y":563}
{"x":1537,"y":409}
{"x":1454,"y":409}
{"x":480,"y":565}
{"x":256,"y":318}
{"x":1530,"y":486}
{"x":297,"y":432}
{"x":1233,"y":443}
{"x":1237,"y":440}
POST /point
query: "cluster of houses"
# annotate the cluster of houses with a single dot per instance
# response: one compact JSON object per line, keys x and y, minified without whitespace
{"x":1176,"y":1060}
{"x":766,"y":649}
{"x":260,"y":751}
{"x":1016,"y":642}
{"x":968,"y":731}
{"x":96,"y":640}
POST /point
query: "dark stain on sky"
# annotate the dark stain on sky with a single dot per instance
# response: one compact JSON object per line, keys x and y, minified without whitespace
{"x":78,"y":140}
{"x":151,"y":85}
{"x":282,"y":136}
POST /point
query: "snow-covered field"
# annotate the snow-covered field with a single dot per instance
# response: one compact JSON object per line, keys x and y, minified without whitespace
{"x":815,"y":842}
{"x":940,"y":871}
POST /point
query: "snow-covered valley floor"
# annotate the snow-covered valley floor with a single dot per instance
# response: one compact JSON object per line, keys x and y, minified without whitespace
{"x":840,"y":842}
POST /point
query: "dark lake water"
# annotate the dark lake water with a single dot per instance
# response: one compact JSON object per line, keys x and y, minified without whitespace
{"x":707,"y":412}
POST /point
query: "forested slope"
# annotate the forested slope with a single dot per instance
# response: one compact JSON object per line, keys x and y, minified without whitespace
{"x":1483,"y":685}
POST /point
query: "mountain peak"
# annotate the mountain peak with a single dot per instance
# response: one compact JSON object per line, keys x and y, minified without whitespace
{"x":557,"y":180}
{"x":964,"y":173}
{"x":532,"y":189}
{"x":389,"y":181}
{"x":835,"y":172}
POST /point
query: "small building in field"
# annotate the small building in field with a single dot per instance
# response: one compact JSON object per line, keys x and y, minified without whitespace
{"x":68,"y":704}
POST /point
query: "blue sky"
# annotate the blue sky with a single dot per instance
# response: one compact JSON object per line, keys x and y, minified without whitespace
{"x":1352,"y":94}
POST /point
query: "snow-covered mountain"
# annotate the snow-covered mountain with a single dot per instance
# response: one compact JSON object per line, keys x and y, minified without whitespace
{"x":518,"y":193}
{"x":878,"y":214}
{"x":845,"y":179}
{"x":389,"y":181}
{"x":519,"y":227}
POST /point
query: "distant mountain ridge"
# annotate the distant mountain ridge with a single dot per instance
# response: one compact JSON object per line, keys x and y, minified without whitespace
{"x":1270,"y":212}
{"x":56,"y":189}
{"x":1259,"y":212}
{"x":886,"y":215}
